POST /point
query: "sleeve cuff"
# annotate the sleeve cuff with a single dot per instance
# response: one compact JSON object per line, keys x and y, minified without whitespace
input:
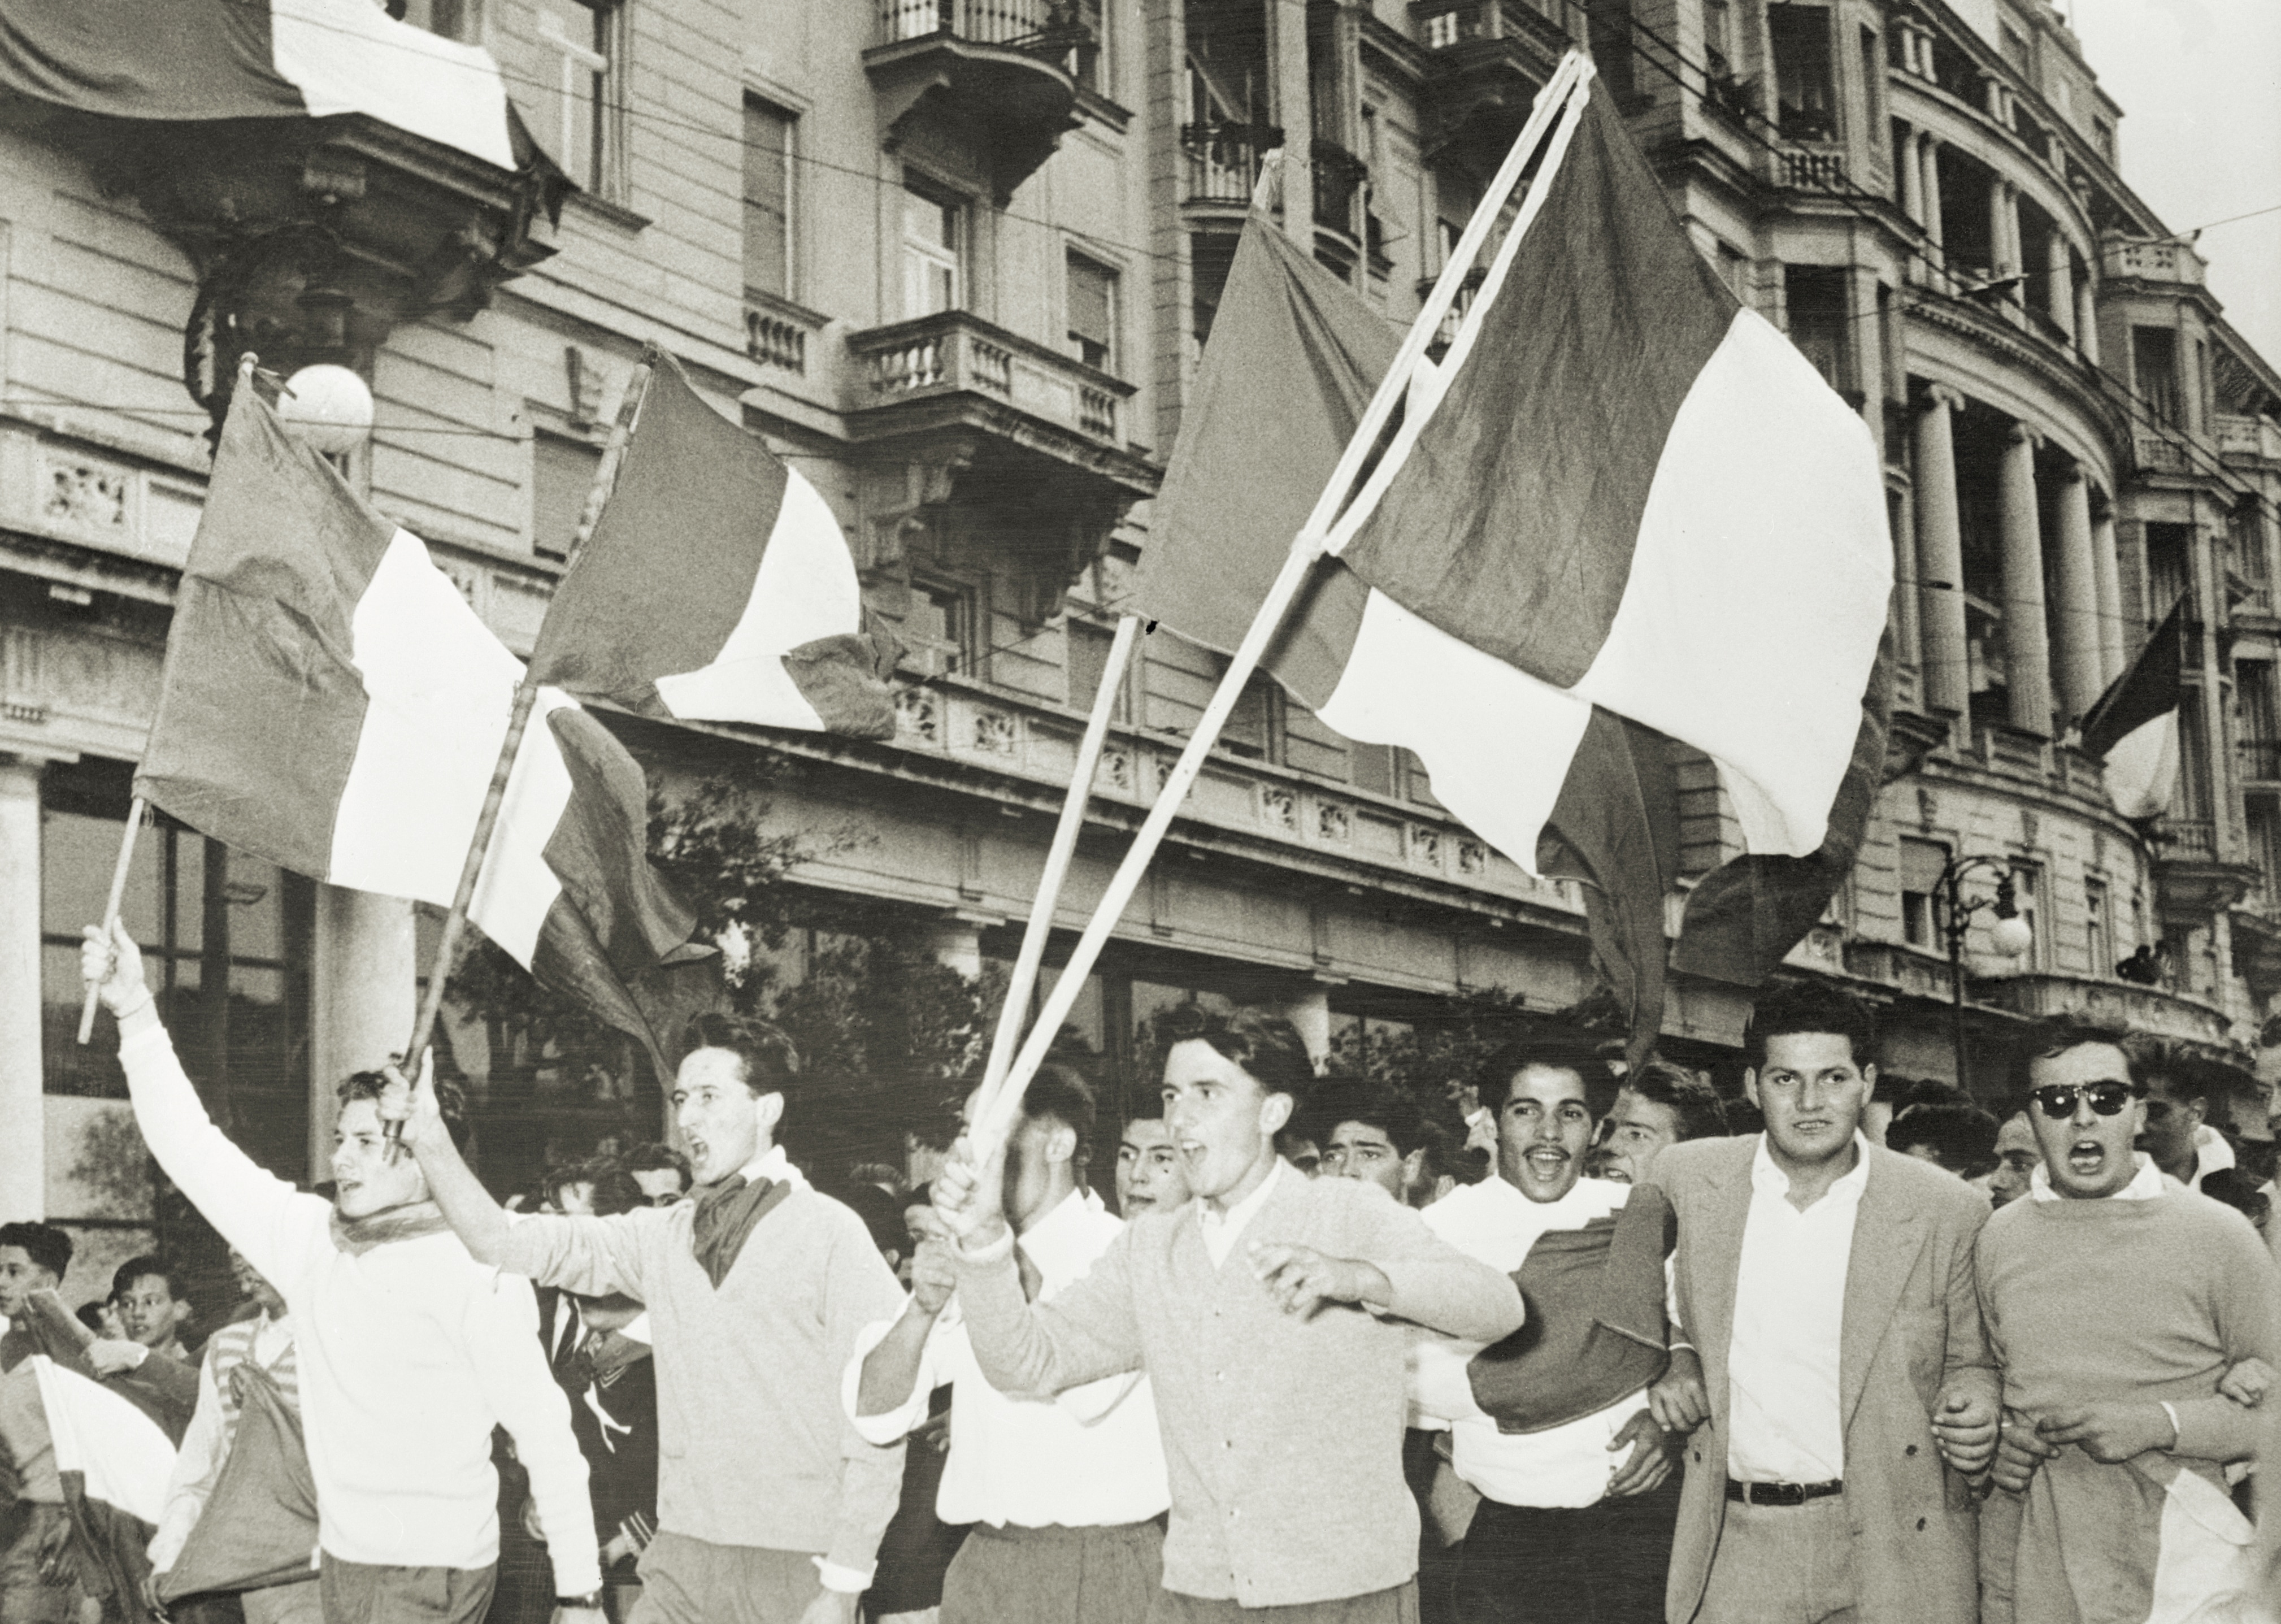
{"x":2177,"y":1428}
{"x":843,"y":1580}
{"x":997,"y":1251}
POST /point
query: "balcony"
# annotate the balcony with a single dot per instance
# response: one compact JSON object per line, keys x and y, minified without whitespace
{"x":2258,"y":438}
{"x":1487,"y":59}
{"x":985,"y":439}
{"x":2190,"y":870}
{"x":2158,"y":453}
{"x":1806,"y":170}
{"x":1339,"y":176}
{"x":1220,"y":165}
{"x":2151,"y":1009}
{"x":2156,"y":261}
{"x":2260,"y":761}
{"x":995,"y":79}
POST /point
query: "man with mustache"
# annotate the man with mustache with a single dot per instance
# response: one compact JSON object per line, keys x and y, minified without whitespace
{"x":1827,"y":1285}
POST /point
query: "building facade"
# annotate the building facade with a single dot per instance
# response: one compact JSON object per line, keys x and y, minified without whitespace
{"x":956,"y":260}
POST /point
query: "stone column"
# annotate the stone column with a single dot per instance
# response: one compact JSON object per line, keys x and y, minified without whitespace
{"x":2107,"y":572}
{"x":1940,"y":557}
{"x":1912,"y":166}
{"x":2027,"y":638}
{"x":1908,"y":619}
{"x":2081,"y":664}
{"x":2086,"y":320}
{"x":361,"y":1000}
{"x":2004,"y":236}
{"x":1937,"y":254}
{"x":23,"y":1114}
{"x":2059,"y":271}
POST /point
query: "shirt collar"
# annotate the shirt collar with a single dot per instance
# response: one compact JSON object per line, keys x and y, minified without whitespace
{"x":773,"y":1164}
{"x":637,"y":1329}
{"x":2144,"y":1184}
{"x":1244,"y":1210}
{"x":1767,"y":1177}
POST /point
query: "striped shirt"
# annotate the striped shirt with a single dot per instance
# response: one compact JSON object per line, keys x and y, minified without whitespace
{"x":265,"y":1343}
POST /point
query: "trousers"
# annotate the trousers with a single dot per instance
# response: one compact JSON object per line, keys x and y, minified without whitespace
{"x":1782,"y":1564}
{"x":1097,"y":1575}
{"x":688,"y":1580}
{"x":1399,"y":1605}
{"x":1603,"y":1564}
{"x":364,"y":1593}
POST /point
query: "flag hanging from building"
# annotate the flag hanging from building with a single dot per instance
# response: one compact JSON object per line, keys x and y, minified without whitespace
{"x":331,"y":703}
{"x":1624,"y":483}
{"x":2134,"y":727}
{"x":199,"y":61}
{"x":716,"y":587}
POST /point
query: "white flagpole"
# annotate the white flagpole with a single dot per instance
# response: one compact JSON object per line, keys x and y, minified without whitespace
{"x":994,"y":1120}
{"x":1058,"y":857}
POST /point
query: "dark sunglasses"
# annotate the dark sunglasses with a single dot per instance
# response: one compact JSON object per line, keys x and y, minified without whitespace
{"x":2057,"y":1101}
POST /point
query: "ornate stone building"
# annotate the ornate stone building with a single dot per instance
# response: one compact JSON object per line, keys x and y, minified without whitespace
{"x":957,"y":257}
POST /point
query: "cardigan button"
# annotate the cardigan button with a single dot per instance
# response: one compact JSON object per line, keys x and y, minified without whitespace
{"x":1910,"y":1450}
{"x":1920,"y":1525}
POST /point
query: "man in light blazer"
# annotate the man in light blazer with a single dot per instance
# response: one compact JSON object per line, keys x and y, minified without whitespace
{"x":1828,"y":1355}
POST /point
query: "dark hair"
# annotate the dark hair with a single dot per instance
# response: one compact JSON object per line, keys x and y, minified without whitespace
{"x":90,"y":1314}
{"x":883,"y":1217}
{"x":1555,"y":1048}
{"x":2047,"y":1040}
{"x":1791,"y":1010}
{"x":1448,"y":1154}
{"x":1391,"y":1110}
{"x":2237,"y":1189}
{"x":1960,"y":1136}
{"x":148,"y":1266}
{"x":614,"y":1190}
{"x":767,"y":1061}
{"x":1266,"y":1048}
{"x":1928,"y":1091}
{"x":48,"y":1247}
{"x":1694,"y":1102}
{"x":1742,"y":1118}
{"x":451,"y":1100}
{"x":1057,"y":1091}
{"x":654,"y":1157}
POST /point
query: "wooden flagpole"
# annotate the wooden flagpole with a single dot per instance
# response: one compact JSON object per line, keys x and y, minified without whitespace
{"x":1058,"y":857}
{"x":136,"y":810}
{"x":526,"y":693}
{"x":994,"y":1121}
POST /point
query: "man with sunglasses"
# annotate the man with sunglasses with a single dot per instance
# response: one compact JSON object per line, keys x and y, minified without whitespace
{"x":2116,"y":1300}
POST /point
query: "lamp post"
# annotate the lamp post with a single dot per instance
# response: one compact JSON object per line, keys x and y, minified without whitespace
{"x":2013,"y":934}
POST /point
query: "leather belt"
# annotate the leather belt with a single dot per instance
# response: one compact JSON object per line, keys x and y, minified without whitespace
{"x":1782,"y":1494}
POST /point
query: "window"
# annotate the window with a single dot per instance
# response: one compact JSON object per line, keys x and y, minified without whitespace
{"x":1254,"y":727}
{"x":1814,"y":297}
{"x":1088,"y":54}
{"x":1092,"y":312}
{"x":2103,"y":134}
{"x":768,"y":199}
{"x":1921,"y":864}
{"x":1873,"y":76}
{"x":938,"y":629}
{"x":1717,"y":39}
{"x":562,"y":478}
{"x":2166,"y":570}
{"x":1803,"y":83}
{"x":933,"y":250}
{"x":2098,"y":930}
{"x":1088,"y":661}
{"x":447,"y":18}
{"x":2014,"y":46}
{"x":575,"y":115}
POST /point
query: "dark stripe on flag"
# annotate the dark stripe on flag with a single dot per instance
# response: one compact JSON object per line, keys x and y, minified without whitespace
{"x":1512,"y":524}
{"x":161,"y":59}
{"x":260,"y":707}
{"x":2149,"y":689}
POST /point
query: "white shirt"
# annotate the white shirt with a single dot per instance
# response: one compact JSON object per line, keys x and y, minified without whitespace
{"x":1221,"y":1230}
{"x":1091,"y":1458}
{"x":1783,"y":1424}
{"x":2211,"y":1154}
{"x":1567,"y":1466}
{"x":2144,"y":1184}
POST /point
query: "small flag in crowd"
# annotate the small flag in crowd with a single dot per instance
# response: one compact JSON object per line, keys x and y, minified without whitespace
{"x":716,"y":587}
{"x":332,"y":704}
{"x":2134,"y":727}
{"x":113,"y":1460}
{"x":199,"y":61}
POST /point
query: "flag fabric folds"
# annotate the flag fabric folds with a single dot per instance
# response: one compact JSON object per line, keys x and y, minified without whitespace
{"x":716,"y":587}
{"x":2134,"y":726}
{"x":114,"y":1459}
{"x":259,"y":1527}
{"x":199,"y":61}
{"x":1628,"y":485}
{"x":331,"y":703}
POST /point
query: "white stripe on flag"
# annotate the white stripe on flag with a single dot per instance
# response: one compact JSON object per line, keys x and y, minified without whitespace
{"x":1759,"y":586}
{"x":805,"y":588}
{"x":1496,"y":741}
{"x":517,"y":888}
{"x":120,"y":1453}
{"x":2142,"y":769}
{"x":350,"y":56}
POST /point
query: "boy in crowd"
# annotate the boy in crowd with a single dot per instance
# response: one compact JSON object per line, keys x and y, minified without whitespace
{"x":1149,"y":1176}
{"x":1064,"y":1493}
{"x":1659,"y":1106}
{"x":409,"y":1352}
{"x":2116,"y":1300}
{"x":1269,"y":1317}
{"x":153,"y":1308}
{"x":770,"y":1504}
{"x":37,"y":1583}
{"x":662,"y":1171}
{"x":1371,"y":1132}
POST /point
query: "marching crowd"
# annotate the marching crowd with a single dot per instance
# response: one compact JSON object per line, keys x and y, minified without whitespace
{"x":1591,"y":1345}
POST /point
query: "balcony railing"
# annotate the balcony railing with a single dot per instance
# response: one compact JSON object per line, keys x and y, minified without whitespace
{"x":2259,"y":758}
{"x":956,"y":353}
{"x":2241,"y":436}
{"x":1442,"y":24}
{"x":1027,"y":25}
{"x":1222,"y":159}
{"x":773,"y":340}
{"x":2188,"y":839}
{"x":2157,"y":454}
{"x":1813,"y":171}
{"x":2163,"y":261}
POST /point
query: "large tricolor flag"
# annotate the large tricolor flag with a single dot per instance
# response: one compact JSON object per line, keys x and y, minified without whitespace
{"x":2134,"y":727}
{"x":331,"y":703}
{"x":716,"y":587}
{"x":199,"y":61}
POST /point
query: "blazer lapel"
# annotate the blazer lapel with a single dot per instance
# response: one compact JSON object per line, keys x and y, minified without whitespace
{"x":1887,"y":1237}
{"x":1714,"y":1266}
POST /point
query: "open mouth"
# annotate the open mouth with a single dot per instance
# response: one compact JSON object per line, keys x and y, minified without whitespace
{"x":699,"y":1150}
{"x":2086,"y":1158}
{"x":1547,"y":1164}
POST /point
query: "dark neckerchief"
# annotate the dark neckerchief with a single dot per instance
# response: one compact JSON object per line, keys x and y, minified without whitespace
{"x":726,"y":1214}
{"x":408,"y":1222}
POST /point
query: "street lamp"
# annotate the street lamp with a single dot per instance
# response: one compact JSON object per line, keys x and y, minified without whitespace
{"x":2012,"y":935}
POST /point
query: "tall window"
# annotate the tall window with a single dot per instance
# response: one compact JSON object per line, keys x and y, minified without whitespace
{"x":2166,"y":570}
{"x":1921,"y":862}
{"x":562,"y":478}
{"x":1254,"y":727}
{"x":447,"y":17}
{"x":1092,"y":312}
{"x":767,"y":197}
{"x":1820,"y":322}
{"x":2027,"y":895}
{"x":934,"y":247}
{"x":2154,"y":370}
{"x":1872,"y":77}
{"x":1717,"y":39}
{"x":939,"y":629}
{"x":1803,"y":83}
{"x":576,"y":113}
{"x":1088,"y":662}
{"x":2098,"y":930}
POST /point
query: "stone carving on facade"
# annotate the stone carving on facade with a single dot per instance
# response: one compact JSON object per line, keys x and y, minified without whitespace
{"x":917,"y":714}
{"x":1332,"y":822}
{"x":995,"y":733}
{"x":1280,"y":807}
{"x":1472,"y":858}
{"x":88,"y":495}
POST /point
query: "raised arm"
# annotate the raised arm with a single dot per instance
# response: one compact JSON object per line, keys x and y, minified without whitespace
{"x":274,"y":1224}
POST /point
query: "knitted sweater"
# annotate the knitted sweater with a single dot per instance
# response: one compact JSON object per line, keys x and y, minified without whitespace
{"x":754,"y":1449}
{"x":1282,"y":1434}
